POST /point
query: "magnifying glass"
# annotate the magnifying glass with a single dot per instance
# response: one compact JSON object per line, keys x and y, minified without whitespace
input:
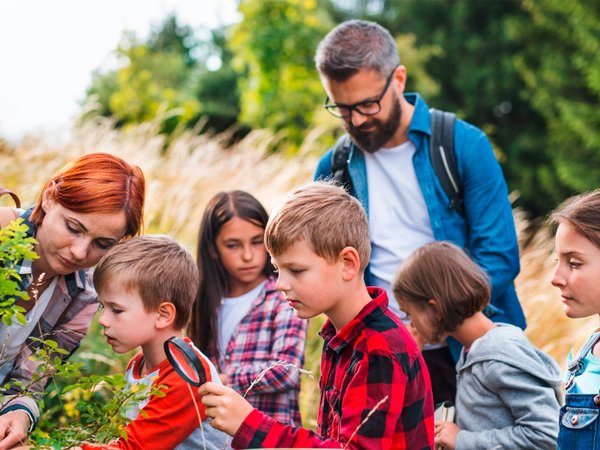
{"x":185,"y":361}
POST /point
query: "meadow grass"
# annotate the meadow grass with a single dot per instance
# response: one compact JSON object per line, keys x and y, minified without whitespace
{"x":182,"y":174}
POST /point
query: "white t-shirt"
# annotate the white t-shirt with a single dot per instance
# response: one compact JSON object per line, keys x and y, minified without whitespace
{"x":398,"y":218}
{"x":231,"y":313}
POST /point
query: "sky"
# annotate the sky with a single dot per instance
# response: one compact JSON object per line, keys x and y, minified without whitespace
{"x":48,"y":50}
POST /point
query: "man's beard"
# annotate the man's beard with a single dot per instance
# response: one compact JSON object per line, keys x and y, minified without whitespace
{"x":371,"y":141}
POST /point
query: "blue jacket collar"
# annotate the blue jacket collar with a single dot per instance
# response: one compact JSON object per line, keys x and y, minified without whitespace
{"x":420,"y":120}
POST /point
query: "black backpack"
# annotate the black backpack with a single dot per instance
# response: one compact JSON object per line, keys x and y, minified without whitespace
{"x":441,"y":152}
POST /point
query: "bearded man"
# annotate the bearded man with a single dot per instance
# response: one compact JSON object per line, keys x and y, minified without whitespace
{"x":390,"y":172}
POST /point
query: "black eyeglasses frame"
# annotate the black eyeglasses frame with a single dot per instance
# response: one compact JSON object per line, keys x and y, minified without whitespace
{"x":334,"y":108}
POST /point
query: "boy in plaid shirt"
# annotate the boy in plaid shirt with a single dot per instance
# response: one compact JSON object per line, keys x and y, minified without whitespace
{"x":375,"y":389}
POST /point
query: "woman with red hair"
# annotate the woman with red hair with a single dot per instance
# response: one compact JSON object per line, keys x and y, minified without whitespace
{"x":90,"y":205}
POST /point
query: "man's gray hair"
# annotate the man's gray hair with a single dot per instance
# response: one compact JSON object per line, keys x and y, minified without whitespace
{"x":356,"y":45}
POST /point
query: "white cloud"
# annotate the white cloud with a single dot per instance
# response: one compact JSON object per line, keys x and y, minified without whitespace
{"x":48,"y":50}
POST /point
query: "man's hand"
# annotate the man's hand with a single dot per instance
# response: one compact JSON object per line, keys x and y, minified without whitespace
{"x":14,"y":426}
{"x":227,"y":408}
{"x":445,"y":435}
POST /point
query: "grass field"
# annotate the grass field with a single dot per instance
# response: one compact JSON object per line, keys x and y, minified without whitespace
{"x":184,"y":173}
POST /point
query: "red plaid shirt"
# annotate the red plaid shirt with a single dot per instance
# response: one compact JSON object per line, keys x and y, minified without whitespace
{"x":270,"y":332}
{"x":372,"y":357}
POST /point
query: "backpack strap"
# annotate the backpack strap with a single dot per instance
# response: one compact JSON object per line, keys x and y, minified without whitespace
{"x":15,"y":197}
{"x":340,"y":158}
{"x":441,"y":152}
{"x":443,"y":157}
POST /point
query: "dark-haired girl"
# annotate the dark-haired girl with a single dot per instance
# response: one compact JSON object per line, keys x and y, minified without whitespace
{"x":240,"y":320}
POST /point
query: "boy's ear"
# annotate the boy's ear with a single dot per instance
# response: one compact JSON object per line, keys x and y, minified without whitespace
{"x":166,"y":315}
{"x":350,"y":263}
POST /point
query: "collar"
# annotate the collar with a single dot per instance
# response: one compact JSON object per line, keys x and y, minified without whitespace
{"x":270,"y":284}
{"x":371,"y":311}
{"x":420,"y":122}
{"x":267,"y":290}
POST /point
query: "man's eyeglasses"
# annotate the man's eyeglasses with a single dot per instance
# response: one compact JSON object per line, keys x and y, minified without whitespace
{"x":366,"y":107}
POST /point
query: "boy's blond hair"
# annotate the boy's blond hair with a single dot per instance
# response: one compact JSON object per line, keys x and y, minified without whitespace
{"x":326,"y":217}
{"x":159,"y":268}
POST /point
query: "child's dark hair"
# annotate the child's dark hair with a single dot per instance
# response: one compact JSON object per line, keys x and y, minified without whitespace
{"x":155,"y":266}
{"x":443,"y":272}
{"x":214,"y":280}
{"x":583,"y":212}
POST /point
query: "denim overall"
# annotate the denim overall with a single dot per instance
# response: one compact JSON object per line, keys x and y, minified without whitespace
{"x":579,"y":417}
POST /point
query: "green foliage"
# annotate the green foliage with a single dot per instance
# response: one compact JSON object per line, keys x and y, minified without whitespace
{"x":275,"y":44}
{"x":166,"y":76}
{"x":14,"y":247}
{"x":525,"y":71}
{"x":217,"y":90}
{"x":76,"y":407}
{"x":155,"y":79}
{"x":92,"y":408}
{"x":560,"y":64}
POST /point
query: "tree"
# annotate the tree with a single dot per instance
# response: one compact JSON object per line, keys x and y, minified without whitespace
{"x":560,"y":64}
{"x":474,"y":66}
{"x":217,"y":89}
{"x":274,"y":46}
{"x":154,"y":77}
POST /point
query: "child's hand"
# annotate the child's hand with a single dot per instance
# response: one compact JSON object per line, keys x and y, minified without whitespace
{"x":227,"y":408}
{"x":445,"y":435}
{"x":223,"y":378}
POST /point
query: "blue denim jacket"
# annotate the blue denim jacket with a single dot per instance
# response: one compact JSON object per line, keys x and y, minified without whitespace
{"x":487,"y":232}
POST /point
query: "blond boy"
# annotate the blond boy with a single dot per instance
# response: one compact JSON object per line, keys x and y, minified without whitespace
{"x":319,"y":242}
{"x":147,"y":286}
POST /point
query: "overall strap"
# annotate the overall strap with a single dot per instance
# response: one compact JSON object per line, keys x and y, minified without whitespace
{"x":576,"y":366}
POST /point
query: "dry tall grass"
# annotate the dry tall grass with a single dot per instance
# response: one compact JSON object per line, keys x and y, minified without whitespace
{"x":183,"y":174}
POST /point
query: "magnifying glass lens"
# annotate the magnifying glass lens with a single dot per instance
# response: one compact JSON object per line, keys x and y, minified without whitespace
{"x":185,"y":361}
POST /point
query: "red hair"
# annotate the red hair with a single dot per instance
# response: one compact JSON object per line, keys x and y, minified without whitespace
{"x":98,"y":182}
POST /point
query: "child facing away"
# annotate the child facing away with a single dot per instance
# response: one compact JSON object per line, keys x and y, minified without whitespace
{"x":508,"y":391}
{"x":147,"y":286}
{"x":577,"y":276}
{"x":375,"y":389}
{"x":239,"y":319}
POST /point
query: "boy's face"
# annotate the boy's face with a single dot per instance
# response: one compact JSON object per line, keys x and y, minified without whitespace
{"x":422,"y":319}
{"x":310,"y":283}
{"x":126,"y":323}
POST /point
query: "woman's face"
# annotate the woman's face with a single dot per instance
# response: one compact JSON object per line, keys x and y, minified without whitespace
{"x":69,"y":241}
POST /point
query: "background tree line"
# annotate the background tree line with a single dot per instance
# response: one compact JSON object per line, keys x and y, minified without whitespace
{"x":526,"y":71}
